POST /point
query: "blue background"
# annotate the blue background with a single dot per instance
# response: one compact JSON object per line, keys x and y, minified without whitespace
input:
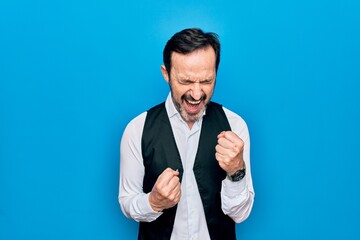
{"x":73,"y":73}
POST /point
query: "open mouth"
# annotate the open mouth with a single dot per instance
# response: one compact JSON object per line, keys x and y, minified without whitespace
{"x":193,"y":107}
{"x":193,"y":102}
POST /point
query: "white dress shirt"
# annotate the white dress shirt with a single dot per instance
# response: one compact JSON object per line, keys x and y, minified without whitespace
{"x":236,"y":197}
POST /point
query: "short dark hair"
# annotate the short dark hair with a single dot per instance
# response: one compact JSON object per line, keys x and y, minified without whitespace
{"x":189,"y":40}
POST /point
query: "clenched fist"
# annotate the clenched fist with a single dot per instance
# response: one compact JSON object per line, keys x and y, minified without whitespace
{"x":166,"y":191}
{"x":229,"y":152}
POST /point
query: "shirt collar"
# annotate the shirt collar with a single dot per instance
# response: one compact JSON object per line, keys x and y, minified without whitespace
{"x":170,"y":107}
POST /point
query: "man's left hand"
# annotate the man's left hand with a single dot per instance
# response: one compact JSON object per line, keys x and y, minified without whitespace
{"x":229,"y":152}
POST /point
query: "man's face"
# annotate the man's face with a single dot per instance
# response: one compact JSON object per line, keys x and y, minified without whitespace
{"x":192,"y":80}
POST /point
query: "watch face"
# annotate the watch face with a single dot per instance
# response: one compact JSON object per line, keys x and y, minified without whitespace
{"x":238,"y":175}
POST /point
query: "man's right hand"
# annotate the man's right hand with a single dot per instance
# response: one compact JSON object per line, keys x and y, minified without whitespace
{"x":166,"y":191}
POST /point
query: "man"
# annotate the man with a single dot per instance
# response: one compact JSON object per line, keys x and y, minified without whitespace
{"x":185,"y":163}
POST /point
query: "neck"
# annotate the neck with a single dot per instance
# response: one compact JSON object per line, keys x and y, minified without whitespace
{"x":190,"y":124}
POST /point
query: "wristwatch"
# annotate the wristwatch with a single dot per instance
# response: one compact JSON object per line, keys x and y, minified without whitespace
{"x":238,"y":175}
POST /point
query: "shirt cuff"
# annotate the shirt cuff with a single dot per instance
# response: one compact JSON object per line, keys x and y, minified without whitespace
{"x":233,"y":189}
{"x":147,"y":210}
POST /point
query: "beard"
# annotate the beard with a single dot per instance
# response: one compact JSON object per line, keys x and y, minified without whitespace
{"x":190,"y":117}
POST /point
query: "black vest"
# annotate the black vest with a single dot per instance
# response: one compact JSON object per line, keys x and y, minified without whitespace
{"x":159,"y":151}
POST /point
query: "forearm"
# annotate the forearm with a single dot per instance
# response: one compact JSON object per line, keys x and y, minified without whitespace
{"x":137,"y":207}
{"x":133,"y":201}
{"x":237,"y":199}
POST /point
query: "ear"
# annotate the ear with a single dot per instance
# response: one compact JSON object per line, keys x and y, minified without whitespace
{"x":164,"y":73}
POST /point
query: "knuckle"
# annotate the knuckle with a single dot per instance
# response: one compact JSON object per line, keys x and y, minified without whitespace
{"x":232,"y":155}
{"x":217,"y":147}
{"x":166,"y":194}
{"x":171,"y":198}
{"x":158,"y":188}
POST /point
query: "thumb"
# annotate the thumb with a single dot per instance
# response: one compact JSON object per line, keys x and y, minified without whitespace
{"x":232,"y":137}
{"x":222,"y":134}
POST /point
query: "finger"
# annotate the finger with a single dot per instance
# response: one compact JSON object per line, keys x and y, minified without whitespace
{"x":166,"y":176}
{"x":177,"y":188}
{"x":177,"y":196}
{"x":232,"y":137}
{"x":175,"y":172}
{"x":174,"y":198}
{"x":220,"y":158}
{"x":226,"y":159}
{"x":235,"y":144}
{"x":222,"y":165}
{"x":220,"y":149}
{"x":220,"y":135}
{"x":170,"y":190}
{"x":226,"y":143}
{"x":173,"y":183}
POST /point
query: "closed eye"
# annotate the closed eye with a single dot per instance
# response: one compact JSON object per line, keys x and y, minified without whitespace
{"x":202,"y":82}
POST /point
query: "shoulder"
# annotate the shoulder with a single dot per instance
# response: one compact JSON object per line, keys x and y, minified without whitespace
{"x":138,"y":120}
{"x":232,"y":116}
{"x":237,"y":123}
{"x":135,"y":126}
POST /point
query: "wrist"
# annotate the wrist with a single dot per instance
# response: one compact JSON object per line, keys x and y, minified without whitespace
{"x":153,"y":205}
{"x":237,"y":175}
{"x":239,"y":166}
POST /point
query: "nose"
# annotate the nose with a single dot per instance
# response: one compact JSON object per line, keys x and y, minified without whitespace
{"x":196,"y":91}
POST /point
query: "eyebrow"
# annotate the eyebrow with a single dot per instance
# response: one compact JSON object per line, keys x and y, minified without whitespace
{"x":191,"y":81}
